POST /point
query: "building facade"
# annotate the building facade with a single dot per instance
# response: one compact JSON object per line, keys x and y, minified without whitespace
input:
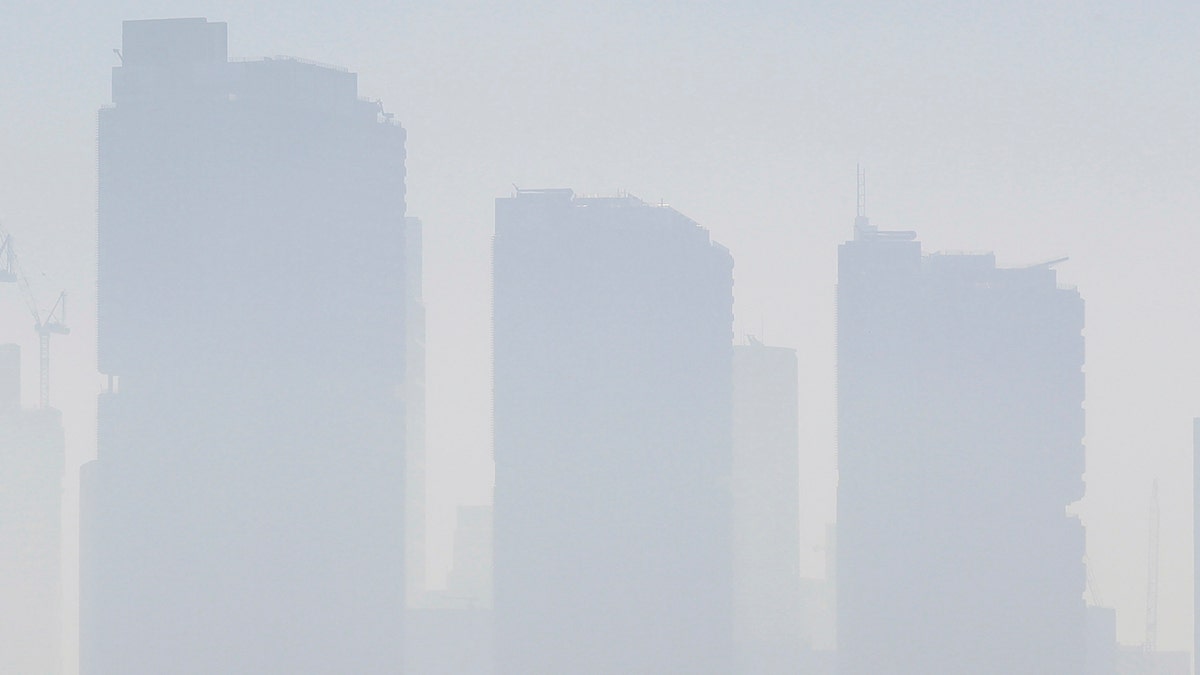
{"x":246,"y":510}
{"x":612,"y":384}
{"x":960,"y":446}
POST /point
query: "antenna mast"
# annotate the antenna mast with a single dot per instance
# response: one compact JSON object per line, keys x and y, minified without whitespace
{"x":862,"y":190}
{"x":862,"y":224}
{"x":1152,"y":576}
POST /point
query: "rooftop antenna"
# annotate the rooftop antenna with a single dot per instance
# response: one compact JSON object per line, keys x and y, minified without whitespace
{"x":862,"y":190}
{"x":1152,"y":576}
{"x":862,"y":224}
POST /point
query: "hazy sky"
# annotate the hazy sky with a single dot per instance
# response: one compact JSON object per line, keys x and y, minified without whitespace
{"x":1029,"y":128}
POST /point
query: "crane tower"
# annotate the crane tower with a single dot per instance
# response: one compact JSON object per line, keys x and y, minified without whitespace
{"x":54,"y":322}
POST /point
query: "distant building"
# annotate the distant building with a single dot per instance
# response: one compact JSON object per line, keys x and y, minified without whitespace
{"x":767,"y":610}
{"x":451,"y":633}
{"x":32,"y":458}
{"x":1135,"y":660}
{"x":470,"y":578}
{"x":960,"y":428}
{"x":612,"y":355}
{"x":415,"y":497}
{"x":448,"y":637}
{"x":246,"y":510}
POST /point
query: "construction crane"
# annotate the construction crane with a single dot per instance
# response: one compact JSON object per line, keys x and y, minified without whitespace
{"x":1151,"y":645}
{"x":8,"y":260}
{"x":54,"y":322}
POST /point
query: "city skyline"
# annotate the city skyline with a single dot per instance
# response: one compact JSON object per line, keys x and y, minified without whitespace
{"x":1087,"y":206}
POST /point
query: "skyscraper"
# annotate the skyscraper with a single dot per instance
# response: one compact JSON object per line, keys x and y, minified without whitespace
{"x":31,"y":473}
{"x":766,"y":509}
{"x":960,"y":427}
{"x":245,"y":512}
{"x":612,"y":357}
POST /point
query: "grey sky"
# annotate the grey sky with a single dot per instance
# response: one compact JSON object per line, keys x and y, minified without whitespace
{"x":1032,"y":129}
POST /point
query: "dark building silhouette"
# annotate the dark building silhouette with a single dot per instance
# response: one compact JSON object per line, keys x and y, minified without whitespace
{"x":767,"y":610}
{"x":960,"y":427}
{"x":613,"y":342}
{"x":31,"y":471}
{"x":245,"y":513}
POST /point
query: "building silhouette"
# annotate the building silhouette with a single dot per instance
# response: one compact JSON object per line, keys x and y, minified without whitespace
{"x":612,"y":357}
{"x":32,"y":458}
{"x":960,"y":427}
{"x":767,"y":610}
{"x":245,"y":513}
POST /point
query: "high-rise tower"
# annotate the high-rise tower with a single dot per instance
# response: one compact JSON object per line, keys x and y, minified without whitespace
{"x":246,"y":510}
{"x":613,"y":342}
{"x":960,"y":445}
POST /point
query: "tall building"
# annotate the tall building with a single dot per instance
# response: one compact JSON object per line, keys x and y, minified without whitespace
{"x":246,"y":510}
{"x":612,"y":356}
{"x":31,"y":472}
{"x":960,"y":446}
{"x":768,"y":618}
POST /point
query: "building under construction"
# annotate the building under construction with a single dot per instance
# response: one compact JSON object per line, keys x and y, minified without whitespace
{"x":245,"y":513}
